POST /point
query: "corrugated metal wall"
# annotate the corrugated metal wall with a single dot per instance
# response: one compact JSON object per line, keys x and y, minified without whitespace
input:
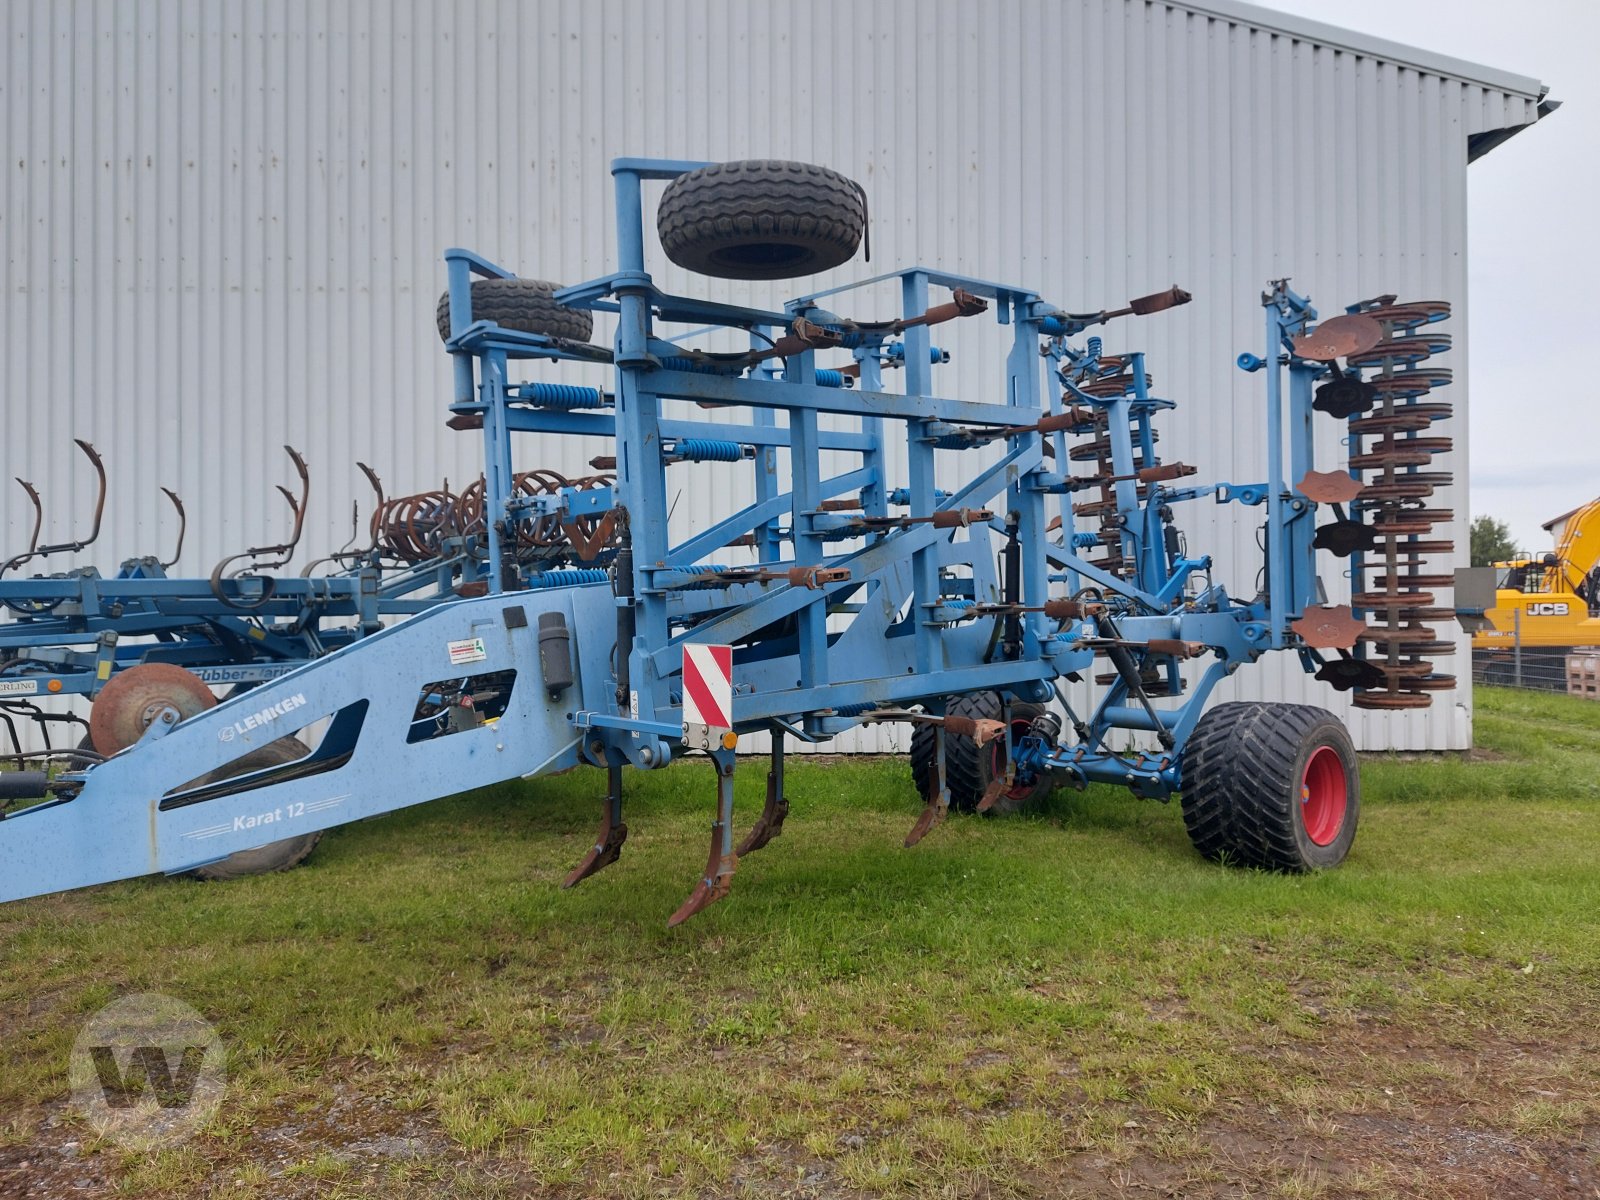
{"x":222,"y":222}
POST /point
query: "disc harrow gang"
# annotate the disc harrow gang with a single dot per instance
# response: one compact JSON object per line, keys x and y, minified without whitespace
{"x":1393,"y":450}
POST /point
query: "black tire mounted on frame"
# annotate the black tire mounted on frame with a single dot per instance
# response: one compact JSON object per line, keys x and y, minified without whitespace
{"x":761,"y":219}
{"x":526,"y":305}
{"x":969,"y":768}
{"x":275,"y":856}
{"x":1271,"y":786}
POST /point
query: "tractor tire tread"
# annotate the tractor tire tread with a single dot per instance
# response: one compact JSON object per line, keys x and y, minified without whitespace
{"x":812,"y":209}
{"x":1240,"y":788}
{"x":525,"y":305}
{"x":964,"y":763}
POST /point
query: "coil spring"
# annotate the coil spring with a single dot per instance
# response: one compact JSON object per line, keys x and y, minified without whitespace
{"x":567,"y":577}
{"x":707,"y":450}
{"x":561,"y":395}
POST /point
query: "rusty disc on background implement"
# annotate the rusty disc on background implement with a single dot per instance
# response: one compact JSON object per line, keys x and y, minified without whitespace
{"x":1434,"y":613}
{"x":1414,"y":669}
{"x":132,"y":699}
{"x":1391,"y":454}
{"x":1094,"y":508}
{"x":1402,"y":350}
{"x":1114,"y":385}
{"x":1431,"y":683}
{"x":1416,"y":382}
{"x":1339,"y":337}
{"x":1417,"y":580}
{"x":1405,"y":419}
{"x":1413,"y":485}
{"x":1383,"y":700}
{"x":1406,"y":516}
{"x":1391,"y":599}
{"x":1413,"y":549}
{"x":1402,"y":636}
{"x":1410,"y":313}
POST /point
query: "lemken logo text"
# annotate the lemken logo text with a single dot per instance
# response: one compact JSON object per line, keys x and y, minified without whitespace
{"x":263,"y":716}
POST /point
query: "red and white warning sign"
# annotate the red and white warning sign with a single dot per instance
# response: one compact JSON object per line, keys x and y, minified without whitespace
{"x":708,"y":686}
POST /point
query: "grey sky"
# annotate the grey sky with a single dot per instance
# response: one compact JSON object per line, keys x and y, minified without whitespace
{"x":1534,"y":248}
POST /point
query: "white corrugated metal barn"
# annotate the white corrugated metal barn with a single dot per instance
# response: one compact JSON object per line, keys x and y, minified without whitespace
{"x":222,"y":223}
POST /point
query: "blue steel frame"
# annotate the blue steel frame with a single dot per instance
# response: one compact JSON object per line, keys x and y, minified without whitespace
{"x":852,"y":611}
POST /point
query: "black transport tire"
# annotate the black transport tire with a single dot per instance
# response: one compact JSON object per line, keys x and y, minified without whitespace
{"x":276,"y":856}
{"x":1271,"y":786}
{"x":761,"y":219}
{"x":968,"y":767}
{"x":526,"y":305}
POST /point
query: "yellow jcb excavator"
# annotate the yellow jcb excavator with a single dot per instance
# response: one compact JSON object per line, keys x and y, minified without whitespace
{"x":1549,"y":604}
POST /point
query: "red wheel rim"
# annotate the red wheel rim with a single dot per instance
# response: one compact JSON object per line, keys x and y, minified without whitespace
{"x":997,"y":759}
{"x":1324,"y":795}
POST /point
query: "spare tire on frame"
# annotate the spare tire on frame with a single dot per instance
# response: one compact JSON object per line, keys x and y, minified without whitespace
{"x":761,"y":219}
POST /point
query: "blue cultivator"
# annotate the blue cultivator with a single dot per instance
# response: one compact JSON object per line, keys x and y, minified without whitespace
{"x":844,"y":593}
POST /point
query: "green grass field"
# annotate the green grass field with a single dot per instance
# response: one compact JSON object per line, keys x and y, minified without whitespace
{"x":1072,"y":1004}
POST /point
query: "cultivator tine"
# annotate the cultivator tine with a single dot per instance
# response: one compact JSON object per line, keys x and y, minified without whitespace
{"x":283,"y":551}
{"x":38,"y":524}
{"x":608,"y":845}
{"x":773,"y":813}
{"x":938,"y":806}
{"x":378,"y":504}
{"x":37,"y":551}
{"x":183,"y":527}
{"x":722,"y":860}
{"x":100,"y":494}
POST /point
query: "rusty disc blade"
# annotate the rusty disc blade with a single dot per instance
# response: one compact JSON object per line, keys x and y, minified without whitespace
{"x":1416,"y":549}
{"x":1415,"y":580}
{"x":1392,"y":599}
{"x":1387,"y":700}
{"x":1329,"y":487}
{"x":133,"y":698}
{"x":1402,"y":350}
{"x":1408,"y":314}
{"x":1339,"y":337}
{"x":1332,"y":628}
{"x":1406,"y":418}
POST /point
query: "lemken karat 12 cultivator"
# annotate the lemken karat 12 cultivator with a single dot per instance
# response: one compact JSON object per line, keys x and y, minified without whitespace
{"x":550,"y":623}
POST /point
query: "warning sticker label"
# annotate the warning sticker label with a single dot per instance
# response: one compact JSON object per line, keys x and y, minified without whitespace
{"x":468,"y":650}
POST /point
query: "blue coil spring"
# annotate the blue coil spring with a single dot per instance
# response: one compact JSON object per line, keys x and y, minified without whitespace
{"x":568,"y":577}
{"x":702,"y":569}
{"x":853,"y":710}
{"x":707,"y":450}
{"x":1095,"y":345}
{"x":561,"y":395}
{"x":675,"y":362}
{"x":957,"y":602}
{"x":829,"y":378}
